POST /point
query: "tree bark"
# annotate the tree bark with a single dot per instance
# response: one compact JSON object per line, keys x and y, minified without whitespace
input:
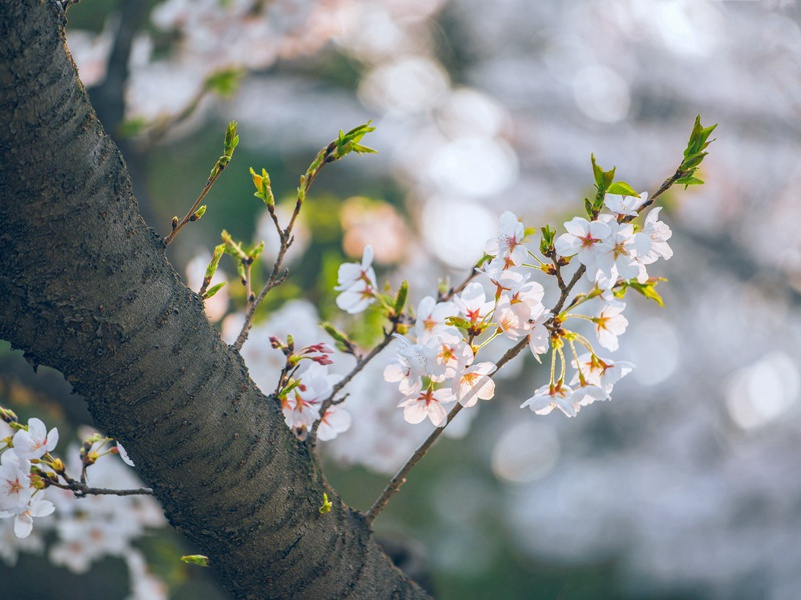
{"x":86,"y":288}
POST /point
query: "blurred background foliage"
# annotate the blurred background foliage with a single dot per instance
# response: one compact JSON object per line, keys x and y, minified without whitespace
{"x":686,"y":485}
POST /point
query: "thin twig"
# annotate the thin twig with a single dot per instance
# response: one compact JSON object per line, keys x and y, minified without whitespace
{"x":459,"y":288}
{"x":81,"y":489}
{"x":180,"y":225}
{"x":285,"y":236}
{"x":360,"y":364}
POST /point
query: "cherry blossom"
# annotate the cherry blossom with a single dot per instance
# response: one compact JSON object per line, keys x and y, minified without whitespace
{"x":620,"y":251}
{"x":413,"y":362}
{"x":548,"y":397}
{"x":36,"y":506}
{"x":473,"y":383}
{"x":601,"y":372}
{"x":539,"y":337}
{"x":585,"y":239}
{"x":428,"y":403}
{"x":453,"y":353}
{"x":357,"y":284}
{"x":625,"y":205}
{"x":431,"y":317}
{"x":508,"y":247}
{"x":609,"y":324}
{"x":301,"y":406}
{"x":335,"y":421}
{"x":36,"y":442}
{"x":472,"y":302}
{"x":15,"y":485}
{"x":659,"y":233}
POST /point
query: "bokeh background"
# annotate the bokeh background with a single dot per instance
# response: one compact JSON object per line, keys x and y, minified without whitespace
{"x":687,"y":484}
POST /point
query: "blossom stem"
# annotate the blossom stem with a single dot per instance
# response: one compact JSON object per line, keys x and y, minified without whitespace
{"x":286,"y":239}
{"x":217,"y":171}
{"x":81,"y":489}
{"x":360,"y":364}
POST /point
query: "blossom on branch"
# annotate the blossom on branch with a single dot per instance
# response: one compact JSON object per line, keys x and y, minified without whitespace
{"x":357,"y":284}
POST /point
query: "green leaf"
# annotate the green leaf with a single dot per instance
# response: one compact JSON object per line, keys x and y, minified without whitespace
{"x":341,"y":340}
{"x":226,"y":82}
{"x":689,"y":181}
{"x":603,"y":179}
{"x":215,"y":261}
{"x":459,"y":322}
{"x":326,"y":507}
{"x":400,"y":299}
{"x":213,"y":290}
{"x":648,"y":289}
{"x":198,"y":213}
{"x":196,"y":559}
{"x":621,"y":188}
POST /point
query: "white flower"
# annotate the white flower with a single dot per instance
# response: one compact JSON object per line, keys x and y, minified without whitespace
{"x":609,"y":324}
{"x":15,"y":483}
{"x":36,"y":442}
{"x":334,"y":421}
{"x":659,"y":233}
{"x":620,"y":252}
{"x":124,"y":455}
{"x":548,"y":397}
{"x":601,"y":372}
{"x":585,"y":239}
{"x":357,"y":285}
{"x":431,"y":317}
{"x":427,"y":403}
{"x":508,"y":246}
{"x":301,"y":407}
{"x":625,"y":205}
{"x":35,"y":507}
{"x":587,"y":394}
{"x":453,"y":353}
{"x":539,"y":337}
{"x":472,"y":383}
{"x":472,"y":302}
{"x":413,"y":362}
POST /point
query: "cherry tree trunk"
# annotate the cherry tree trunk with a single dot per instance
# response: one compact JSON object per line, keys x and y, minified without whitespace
{"x":85,"y":287}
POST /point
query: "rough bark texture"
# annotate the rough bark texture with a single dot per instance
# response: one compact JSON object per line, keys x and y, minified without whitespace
{"x":86,"y":288}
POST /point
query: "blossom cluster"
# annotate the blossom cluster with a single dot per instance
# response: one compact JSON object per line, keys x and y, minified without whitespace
{"x":21,"y":494}
{"x":436,"y":362}
{"x":302,"y":402}
{"x":86,"y":529}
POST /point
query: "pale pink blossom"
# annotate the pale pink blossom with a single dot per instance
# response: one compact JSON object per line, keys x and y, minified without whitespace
{"x":472,"y":302}
{"x":659,"y":233}
{"x":620,"y":252}
{"x":428,"y":403}
{"x":473,"y":383}
{"x":585,"y":239}
{"x":15,"y":483}
{"x":548,"y":397}
{"x":301,"y":407}
{"x":357,"y":284}
{"x":539,"y":338}
{"x":335,"y":421}
{"x":452,"y":354}
{"x":625,"y":205}
{"x":508,"y":245}
{"x":36,"y":506}
{"x":413,"y":362}
{"x":609,"y":324}
{"x":600,"y":372}
{"x":36,"y":442}
{"x":431,"y":316}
